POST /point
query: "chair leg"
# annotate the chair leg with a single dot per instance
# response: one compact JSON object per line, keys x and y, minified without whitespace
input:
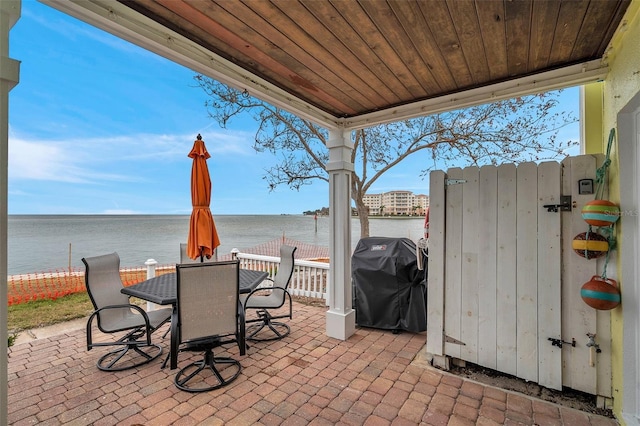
{"x":166,"y":360}
{"x":229,"y":371}
{"x":117,"y":356}
{"x":279,"y":329}
{"x":109,"y":361}
{"x":122,"y":358}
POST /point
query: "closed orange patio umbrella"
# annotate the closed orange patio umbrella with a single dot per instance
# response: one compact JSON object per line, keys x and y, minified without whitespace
{"x":203,"y":237}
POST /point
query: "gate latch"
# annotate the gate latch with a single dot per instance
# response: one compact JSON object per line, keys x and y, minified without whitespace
{"x":564,"y":206}
{"x":560,"y":342}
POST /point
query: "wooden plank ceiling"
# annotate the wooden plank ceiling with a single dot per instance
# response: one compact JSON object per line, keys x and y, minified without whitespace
{"x":350,"y":58}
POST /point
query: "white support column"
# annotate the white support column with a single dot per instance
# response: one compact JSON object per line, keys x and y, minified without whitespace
{"x":9,"y":77}
{"x":341,"y":318}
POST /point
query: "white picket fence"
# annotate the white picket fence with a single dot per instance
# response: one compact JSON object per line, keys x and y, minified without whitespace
{"x":310,"y":278}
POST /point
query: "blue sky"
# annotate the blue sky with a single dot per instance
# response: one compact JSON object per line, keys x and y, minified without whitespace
{"x":100,"y":126}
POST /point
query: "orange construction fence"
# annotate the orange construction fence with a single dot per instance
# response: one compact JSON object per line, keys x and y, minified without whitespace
{"x":59,"y":283}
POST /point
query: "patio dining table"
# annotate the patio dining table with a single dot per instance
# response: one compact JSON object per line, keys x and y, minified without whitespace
{"x":163,"y":290}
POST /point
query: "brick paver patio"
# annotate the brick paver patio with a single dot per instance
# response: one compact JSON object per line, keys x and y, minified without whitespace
{"x":306,"y":378}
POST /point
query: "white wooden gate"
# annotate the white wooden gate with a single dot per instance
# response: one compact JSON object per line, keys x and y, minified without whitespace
{"x":504,"y":282}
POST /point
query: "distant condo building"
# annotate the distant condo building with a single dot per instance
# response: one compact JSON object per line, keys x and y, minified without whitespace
{"x":396,"y":203}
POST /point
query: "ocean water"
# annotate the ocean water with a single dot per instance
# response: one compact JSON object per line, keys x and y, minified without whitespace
{"x":41,"y":243}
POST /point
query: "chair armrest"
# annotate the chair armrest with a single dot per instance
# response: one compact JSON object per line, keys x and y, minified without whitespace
{"x":261,"y":287}
{"x":264,"y":289}
{"x":275,"y":292}
{"x":129,"y":306}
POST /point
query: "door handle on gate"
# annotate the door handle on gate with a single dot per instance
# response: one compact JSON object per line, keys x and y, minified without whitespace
{"x":564,"y":206}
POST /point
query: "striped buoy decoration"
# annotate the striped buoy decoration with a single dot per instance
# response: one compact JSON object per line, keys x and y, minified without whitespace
{"x":590,"y":245}
{"x":601,"y":293}
{"x":600,"y":213}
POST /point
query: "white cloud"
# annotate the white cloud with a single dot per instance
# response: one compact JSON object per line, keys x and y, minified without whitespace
{"x":53,"y":161}
{"x":17,"y":192}
{"x":229,"y":142}
{"x":96,"y":160}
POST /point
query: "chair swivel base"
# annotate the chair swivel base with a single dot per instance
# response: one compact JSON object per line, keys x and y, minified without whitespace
{"x":225,"y":370}
{"x":275,"y":330}
{"x":124,"y":358}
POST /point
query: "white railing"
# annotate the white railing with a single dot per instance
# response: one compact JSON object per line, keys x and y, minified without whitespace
{"x":310,"y":279}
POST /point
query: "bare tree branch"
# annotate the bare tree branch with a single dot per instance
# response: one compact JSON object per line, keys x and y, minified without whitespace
{"x":514,"y":130}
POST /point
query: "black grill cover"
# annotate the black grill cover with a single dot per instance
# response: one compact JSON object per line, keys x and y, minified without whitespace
{"x":389,"y":291}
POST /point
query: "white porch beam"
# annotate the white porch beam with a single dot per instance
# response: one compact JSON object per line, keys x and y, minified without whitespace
{"x":575,"y":75}
{"x":9,"y":77}
{"x":341,"y":318}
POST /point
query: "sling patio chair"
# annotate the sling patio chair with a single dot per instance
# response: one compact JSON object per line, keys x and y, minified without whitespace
{"x":115,"y":314}
{"x":209,"y":315}
{"x":271,"y":297}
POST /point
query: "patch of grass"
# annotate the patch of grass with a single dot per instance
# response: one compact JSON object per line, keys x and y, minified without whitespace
{"x":12,"y":339}
{"x":47,"y":312}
